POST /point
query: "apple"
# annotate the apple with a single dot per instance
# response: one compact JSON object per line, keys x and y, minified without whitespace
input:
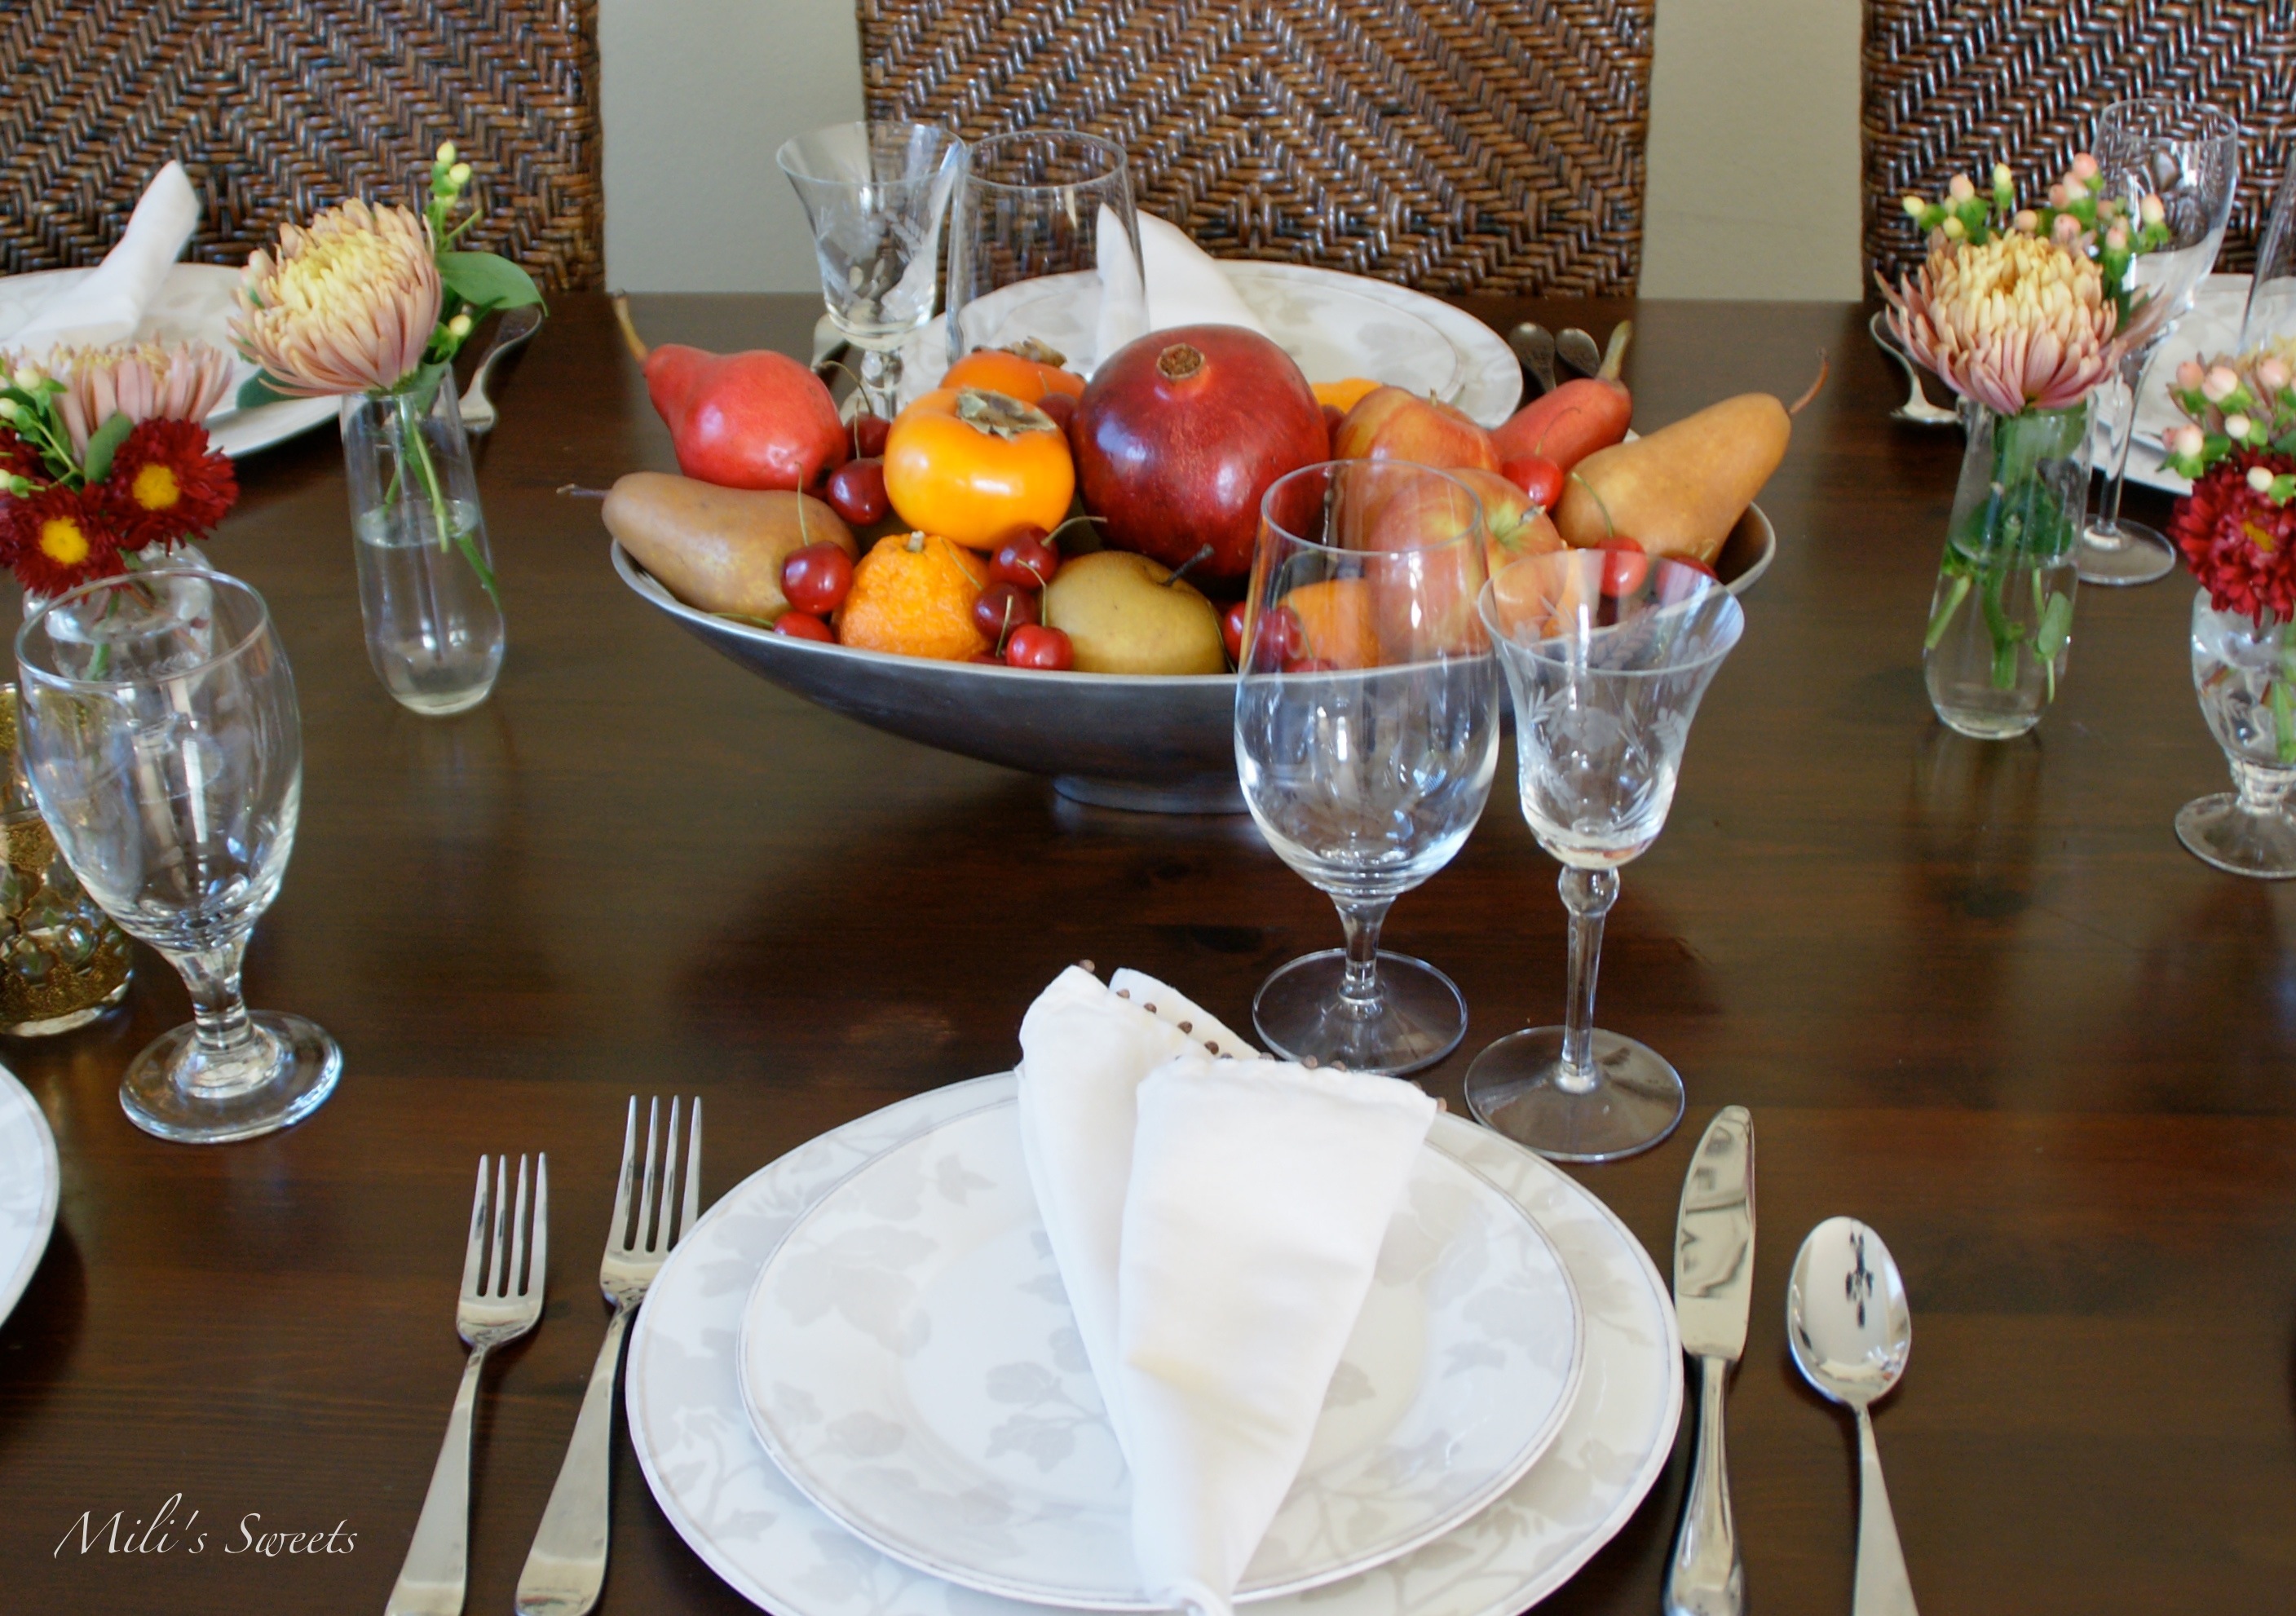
{"x":1513,"y":525}
{"x":1390,"y":423}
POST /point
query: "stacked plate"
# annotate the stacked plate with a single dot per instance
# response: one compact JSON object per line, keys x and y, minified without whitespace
{"x":857,"y":1390}
{"x":30,"y":1185}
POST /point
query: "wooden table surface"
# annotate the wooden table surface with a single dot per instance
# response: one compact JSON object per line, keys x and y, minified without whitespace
{"x":1975,"y":995}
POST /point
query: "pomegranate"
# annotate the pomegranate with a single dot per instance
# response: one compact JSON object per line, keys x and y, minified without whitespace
{"x":1178,"y":436}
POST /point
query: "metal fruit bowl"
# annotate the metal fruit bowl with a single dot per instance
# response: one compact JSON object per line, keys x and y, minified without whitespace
{"x":1163,"y":744}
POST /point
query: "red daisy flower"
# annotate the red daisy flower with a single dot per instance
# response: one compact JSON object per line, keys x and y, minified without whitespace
{"x":2239,"y":545}
{"x":166,"y":485}
{"x":57,"y":540}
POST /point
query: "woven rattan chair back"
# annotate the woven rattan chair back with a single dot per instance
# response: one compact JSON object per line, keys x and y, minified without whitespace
{"x":1451,"y":146}
{"x":279,"y":108}
{"x":1953,"y":86}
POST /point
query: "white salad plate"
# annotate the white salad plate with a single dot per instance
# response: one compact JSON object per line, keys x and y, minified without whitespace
{"x":29,"y":1183}
{"x":194,"y":305}
{"x":1336,"y":325}
{"x":909,"y":1360}
{"x":2209,"y":328}
{"x":750,"y":1524}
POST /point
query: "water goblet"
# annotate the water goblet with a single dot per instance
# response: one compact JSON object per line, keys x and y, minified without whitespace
{"x":160,"y":737}
{"x":1043,"y":250}
{"x":2188,"y":156}
{"x":1367,"y":733}
{"x":876,"y":195}
{"x":1608,"y":655}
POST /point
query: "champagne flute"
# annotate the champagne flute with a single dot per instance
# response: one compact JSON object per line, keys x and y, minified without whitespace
{"x":1367,"y":735}
{"x":2188,"y":155}
{"x":1608,"y":655}
{"x":161,"y":741}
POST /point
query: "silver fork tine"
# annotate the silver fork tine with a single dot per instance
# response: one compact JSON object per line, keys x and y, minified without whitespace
{"x":514,"y":1281}
{"x":501,"y":1233}
{"x":538,"y":1267}
{"x":693,"y":1208}
{"x":665,"y":1222}
{"x":642,"y":1238}
{"x":474,"y":1251}
{"x":629,"y":1176}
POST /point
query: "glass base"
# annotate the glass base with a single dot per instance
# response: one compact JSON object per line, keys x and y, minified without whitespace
{"x":1514,"y":1088}
{"x":2219,"y":831}
{"x":170,"y":1089}
{"x":2119,"y":557}
{"x":1420,"y":1018}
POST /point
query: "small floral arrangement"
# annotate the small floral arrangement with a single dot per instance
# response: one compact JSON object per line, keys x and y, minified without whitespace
{"x":2236,"y":529}
{"x":103,"y":458}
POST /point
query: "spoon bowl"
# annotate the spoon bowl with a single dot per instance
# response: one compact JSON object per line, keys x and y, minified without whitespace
{"x":1847,"y":1319}
{"x":1578,"y":351}
{"x":1534,"y":345}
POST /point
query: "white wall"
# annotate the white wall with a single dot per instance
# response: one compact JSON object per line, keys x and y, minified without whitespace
{"x":1753,"y":145}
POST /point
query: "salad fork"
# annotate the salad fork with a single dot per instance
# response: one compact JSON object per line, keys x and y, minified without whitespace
{"x":477,"y":410}
{"x":567,"y":1565}
{"x":501,"y":1300}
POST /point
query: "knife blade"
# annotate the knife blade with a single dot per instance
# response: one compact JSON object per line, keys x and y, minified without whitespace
{"x":1713,"y":1285}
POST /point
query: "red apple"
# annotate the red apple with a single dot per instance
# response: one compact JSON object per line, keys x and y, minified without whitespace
{"x":1390,"y":424}
{"x":1513,"y":526}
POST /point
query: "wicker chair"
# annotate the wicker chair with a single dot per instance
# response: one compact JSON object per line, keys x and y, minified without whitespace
{"x":1445,"y":144}
{"x":278,"y":108}
{"x":1953,"y":86}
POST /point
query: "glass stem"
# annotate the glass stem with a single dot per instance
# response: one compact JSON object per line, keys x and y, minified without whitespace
{"x":880,"y":381}
{"x":2133,"y":365}
{"x":1359,"y":983}
{"x":1588,"y":895}
{"x":219,"y":1010}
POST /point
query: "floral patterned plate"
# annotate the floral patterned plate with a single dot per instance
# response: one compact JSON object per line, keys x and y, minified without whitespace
{"x":748,"y":1523}
{"x":909,"y":1360}
{"x":29,"y":1183}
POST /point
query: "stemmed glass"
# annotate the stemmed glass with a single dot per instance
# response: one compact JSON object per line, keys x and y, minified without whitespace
{"x":1044,"y":248}
{"x":876,"y":194}
{"x":2188,"y":155}
{"x":1608,"y":656}
{"x":161,"y":741}
{"x":1367,"y":733}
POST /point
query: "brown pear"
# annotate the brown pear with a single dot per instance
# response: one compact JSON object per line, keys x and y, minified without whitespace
{"x":718,"y":549}
{"x":1680,"y":490}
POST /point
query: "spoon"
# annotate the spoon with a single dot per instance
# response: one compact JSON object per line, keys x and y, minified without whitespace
{"x":1850,"y":1331}
{"x":1534,"y":345}
{"x":1917,"y":408}
{"x":477,"y":410}
{"x":1578,"y":351}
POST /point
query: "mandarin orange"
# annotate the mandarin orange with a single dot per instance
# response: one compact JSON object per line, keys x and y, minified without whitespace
{"x":913,"y":595}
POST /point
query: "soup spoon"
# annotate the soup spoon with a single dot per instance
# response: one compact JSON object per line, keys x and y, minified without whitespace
{"x":1850,"y":1330}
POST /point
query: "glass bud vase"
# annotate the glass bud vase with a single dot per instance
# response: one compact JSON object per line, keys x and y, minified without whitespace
{"x":2246,"y":678}
{"x":2001,"y":619}
{"x":434,"y":621}
{"x":63,"y":963}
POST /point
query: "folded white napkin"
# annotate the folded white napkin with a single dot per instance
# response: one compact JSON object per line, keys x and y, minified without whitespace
{"x":1186,"y":284}
{"x":1217,"y":1219}
{"x":109,"y":304}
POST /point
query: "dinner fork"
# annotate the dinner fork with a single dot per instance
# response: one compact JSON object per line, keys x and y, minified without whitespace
{"x":567,"y":1565}
{"x":477,"y":410}
{"x":501,"y":1300}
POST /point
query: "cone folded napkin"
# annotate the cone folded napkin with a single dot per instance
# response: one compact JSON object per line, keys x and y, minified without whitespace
{"x":109,"y":304}
{"x":1217,"y":1219}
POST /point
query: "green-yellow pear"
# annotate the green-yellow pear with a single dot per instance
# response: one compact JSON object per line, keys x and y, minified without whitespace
{"x":1124,"y":613}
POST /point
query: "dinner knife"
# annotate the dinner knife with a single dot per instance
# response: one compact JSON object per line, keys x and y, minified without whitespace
{"x":1713,"y":1282}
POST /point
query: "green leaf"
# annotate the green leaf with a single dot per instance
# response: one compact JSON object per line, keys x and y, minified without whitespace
{"x":104,"y":442}
{"x":2056,"y":627}
{"x":486,"y":280}
{"x":256,"y":391}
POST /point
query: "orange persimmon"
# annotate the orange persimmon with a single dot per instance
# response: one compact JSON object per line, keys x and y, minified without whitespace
{"x":1022,"y":375}
{"x":972,"y":465}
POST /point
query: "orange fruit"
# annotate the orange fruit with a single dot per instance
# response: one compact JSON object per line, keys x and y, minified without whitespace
{"x":913,"y":595}
{"x":1344,"y":396}
{"x":1022,"y":376}
{"x":1337,"y":624}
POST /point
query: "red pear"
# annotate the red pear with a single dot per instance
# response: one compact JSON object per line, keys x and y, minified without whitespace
{"x":754,"y":420}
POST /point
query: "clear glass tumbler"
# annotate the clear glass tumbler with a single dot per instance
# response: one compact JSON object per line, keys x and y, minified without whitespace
{"x":1608,"y":654}
{"x":2244,"y":673}
{"x":427,"y":589}
{"x":1367,"y":735}
{"x":162,"y":742}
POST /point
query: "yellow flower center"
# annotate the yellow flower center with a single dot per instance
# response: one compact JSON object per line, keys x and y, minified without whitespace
{"x":155,"y":487}
{"x":63,"y":542}
{"x":333,"y":270}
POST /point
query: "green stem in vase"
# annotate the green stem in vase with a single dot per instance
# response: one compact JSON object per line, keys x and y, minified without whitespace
{"x":2284,"y":709}
{"x":1941,"y":615}
{"x":408,"y":411}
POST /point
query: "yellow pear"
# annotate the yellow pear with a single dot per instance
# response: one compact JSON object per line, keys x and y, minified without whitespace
{"x":1124,"y":613}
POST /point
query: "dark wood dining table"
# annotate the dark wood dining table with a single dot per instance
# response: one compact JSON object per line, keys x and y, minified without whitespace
{"x":1974,"y":993}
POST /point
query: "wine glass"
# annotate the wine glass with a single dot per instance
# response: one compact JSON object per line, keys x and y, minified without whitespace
{"x":1043,"y":250}
{"x":1367,"y":733}
{"x":1608,"y":655}
{"x":2188,"y":156}
{"x":876,"y":194}
{"x":161,"y":741}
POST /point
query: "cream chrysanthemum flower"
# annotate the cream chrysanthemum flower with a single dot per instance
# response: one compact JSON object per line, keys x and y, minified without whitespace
{"x":149,"y":382}
{"x":347,"y":306}
{"x":2018,"y":323}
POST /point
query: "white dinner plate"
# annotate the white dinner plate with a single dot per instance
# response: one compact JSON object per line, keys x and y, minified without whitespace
{"x":751,"y":1526}
{"x":30,"y":1183}
{"x":909,"y":1360}
{"x":2211,"y":328}
{"x":194,"y":305}
{"x":1336,"y":325}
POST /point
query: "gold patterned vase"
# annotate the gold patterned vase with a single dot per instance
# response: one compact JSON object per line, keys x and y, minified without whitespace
{"x":63,"y":963}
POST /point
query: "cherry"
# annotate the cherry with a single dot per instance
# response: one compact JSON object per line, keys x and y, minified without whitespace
{"x":990,"y":658}
{"x":1279,"y":640}
{"x":1231,"y":631}
{"x":1624,"y":566}
{"x":1695,"y":565}
{"x":869,"y":434}
{"x":817,"y":578}
{"x":1001,"y":609}
{"x":1034,"y":645}
{"x":803,"y":625}
{"x":1538,"y":477}
{"x":1059,"y":407}
{"x":1311,"y":665}
{"x":857,"y":492}
{"x":1026,"y":560}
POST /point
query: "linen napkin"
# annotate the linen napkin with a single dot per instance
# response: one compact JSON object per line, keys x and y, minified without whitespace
{"x":1185,"y":284}
{"x":108,"y":305}
{"x":1217,"y":1219}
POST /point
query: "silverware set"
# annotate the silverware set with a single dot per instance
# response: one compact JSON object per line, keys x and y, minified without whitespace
{"x":1849,"y":1330}
{"x":657,"y":1198}
{"x":1538,"y":349}
{"x":1916,"y":410}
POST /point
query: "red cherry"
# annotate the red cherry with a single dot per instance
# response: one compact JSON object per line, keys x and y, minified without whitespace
{"x":1695,"y":565}
{"x":988,"y":657}
{"x":1277,"y":639}
{"x":803,"y":625}
{"x":817,"y":578}
{"x":1231,"y":631}
{"x":1026,"y":560}
{"x":1001,"y":609}
{"x":869,"y":433}
{"x":857,"y":492}
{"x":1311,"y":665}
{"x":1059,"y":407}
{"x":1538,"y":477}
{"x":1034,"y":645}
{"x":1624,"y":566}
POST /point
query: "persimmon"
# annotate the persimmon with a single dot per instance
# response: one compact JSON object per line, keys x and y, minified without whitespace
{"x":973,"y":466}
{"x":1023,"y":375}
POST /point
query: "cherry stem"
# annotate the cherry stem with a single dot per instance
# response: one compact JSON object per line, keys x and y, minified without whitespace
{"x":1181,"y":570}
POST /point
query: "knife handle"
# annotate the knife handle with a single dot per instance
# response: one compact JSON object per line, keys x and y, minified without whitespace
{"x":1707,"y":1578}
